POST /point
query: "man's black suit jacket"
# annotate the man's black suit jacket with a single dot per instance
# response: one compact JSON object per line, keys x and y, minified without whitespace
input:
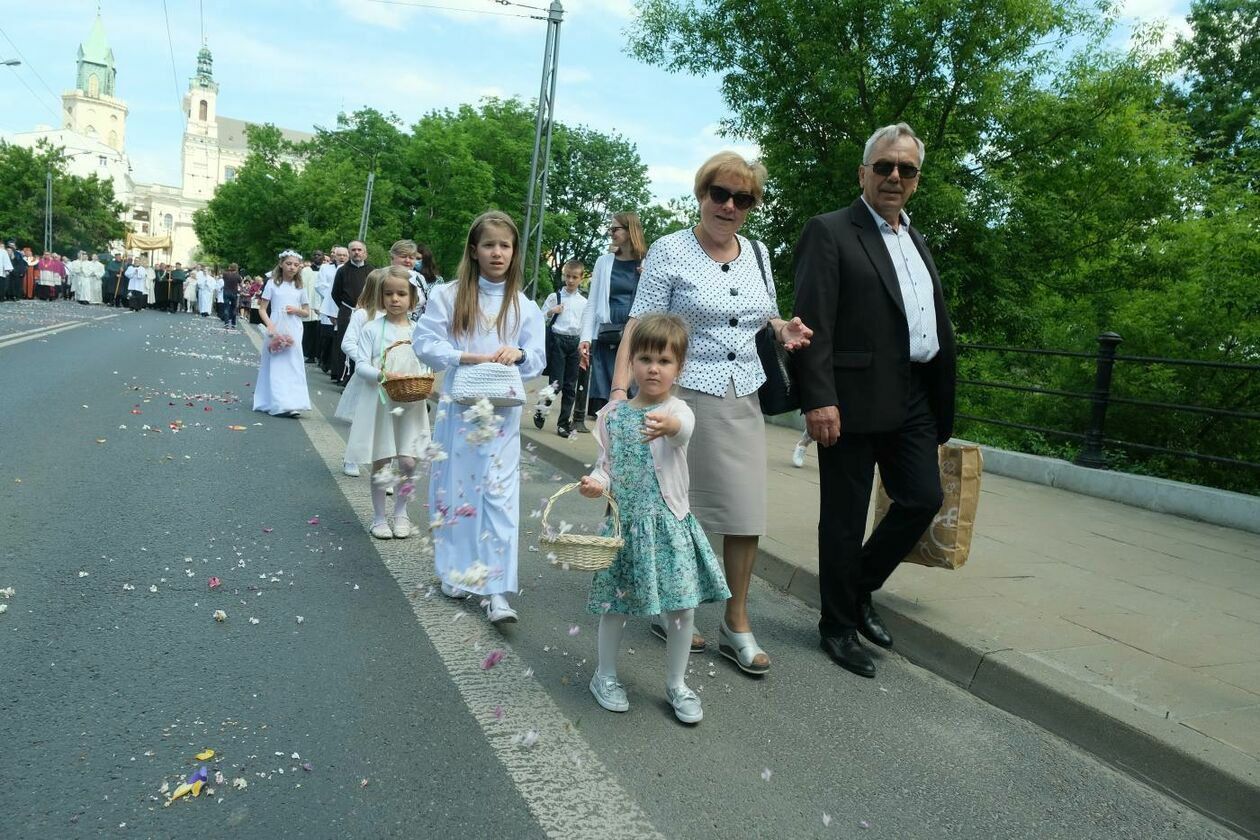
{"x":859,"y":356}
{"x":347,"y":286}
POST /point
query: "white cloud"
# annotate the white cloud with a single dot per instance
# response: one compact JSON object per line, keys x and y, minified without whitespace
{"x":387,"y":15}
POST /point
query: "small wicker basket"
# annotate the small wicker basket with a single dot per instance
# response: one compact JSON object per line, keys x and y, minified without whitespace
{"x":582,"y":552}
{"x":408,"y":388}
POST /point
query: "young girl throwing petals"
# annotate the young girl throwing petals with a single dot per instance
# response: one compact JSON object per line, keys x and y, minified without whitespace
{"x":280,"y":388}
{"x":474,"y":493}
{"x":384,"y":430}
{"x":666,"y":566}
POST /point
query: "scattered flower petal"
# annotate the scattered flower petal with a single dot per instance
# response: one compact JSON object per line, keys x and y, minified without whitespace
{"x":493,"y":658}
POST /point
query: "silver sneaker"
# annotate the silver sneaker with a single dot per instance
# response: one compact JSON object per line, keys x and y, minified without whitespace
{"x":609,"y":693}
{"x":686,"y":704}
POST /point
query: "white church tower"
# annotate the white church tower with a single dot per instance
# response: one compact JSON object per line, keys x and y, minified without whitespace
{"x":92,"y":109}
{"x":201,"y":136}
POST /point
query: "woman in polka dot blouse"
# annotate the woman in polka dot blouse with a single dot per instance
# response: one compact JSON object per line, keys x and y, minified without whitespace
{"x":711,"y":277}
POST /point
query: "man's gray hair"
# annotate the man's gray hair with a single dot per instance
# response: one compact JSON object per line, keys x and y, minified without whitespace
{"x":890,"y":133}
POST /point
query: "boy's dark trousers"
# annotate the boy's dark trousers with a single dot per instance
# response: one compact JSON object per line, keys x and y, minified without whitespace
{"x":564,"y":369}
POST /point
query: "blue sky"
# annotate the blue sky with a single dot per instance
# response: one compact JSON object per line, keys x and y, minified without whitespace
{"x":297,"y":64}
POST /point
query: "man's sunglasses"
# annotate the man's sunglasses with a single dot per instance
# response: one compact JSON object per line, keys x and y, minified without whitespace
{"x":720,"y":195}
{"x":884,"y":168}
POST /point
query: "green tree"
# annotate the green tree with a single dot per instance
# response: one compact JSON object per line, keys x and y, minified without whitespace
{"x":593,"y":176}
{"x":85,"y":213}
{"x":1221,"y":64}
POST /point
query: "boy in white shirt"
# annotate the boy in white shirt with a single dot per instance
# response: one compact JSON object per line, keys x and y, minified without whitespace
{"x":563,"y":312}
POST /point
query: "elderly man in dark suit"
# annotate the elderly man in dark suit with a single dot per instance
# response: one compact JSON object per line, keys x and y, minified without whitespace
{"x":876,"y":384}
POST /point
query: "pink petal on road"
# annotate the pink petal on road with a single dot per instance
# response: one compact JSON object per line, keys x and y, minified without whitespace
{"x":493,"y":658}
{"x":314,"y":520}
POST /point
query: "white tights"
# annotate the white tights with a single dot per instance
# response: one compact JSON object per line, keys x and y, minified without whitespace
{"x":678,"y":630}
{"x":406,"y":469}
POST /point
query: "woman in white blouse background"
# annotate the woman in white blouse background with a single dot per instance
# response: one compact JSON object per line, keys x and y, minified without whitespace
{"x":614,"y":281}
{"x":711,"y":277}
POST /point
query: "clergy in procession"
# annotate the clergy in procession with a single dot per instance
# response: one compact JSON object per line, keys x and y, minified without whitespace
{"x":76,"y":271}
{"x":136,"y":279}
{"x":162,"y":286}
{"x":346,"y":288}
{"x":177,"y":278}
{"x":94,"y":271}
{"x":115,"y":283}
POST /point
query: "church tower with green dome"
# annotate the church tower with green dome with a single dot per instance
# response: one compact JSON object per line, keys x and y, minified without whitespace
{"x":92,"y":108}
{"x":201,"y":154}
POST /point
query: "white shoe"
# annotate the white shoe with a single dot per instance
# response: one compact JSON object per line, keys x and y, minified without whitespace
{"x":499,"y":611}
{"x":454,"y":592}
{"x":401,"y":526}
{"x":350,"y":469}
{"x":686,"y":704}
{"x":798,"y":456}
{"x":383,"y":531}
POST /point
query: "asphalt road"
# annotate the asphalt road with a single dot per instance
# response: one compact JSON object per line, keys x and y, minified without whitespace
{"x":357,"y":705}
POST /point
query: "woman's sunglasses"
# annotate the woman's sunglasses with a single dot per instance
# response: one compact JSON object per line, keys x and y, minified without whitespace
{"x":720,"y":195}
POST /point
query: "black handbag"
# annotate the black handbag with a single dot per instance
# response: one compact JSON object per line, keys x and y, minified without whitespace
{"x":778,"y":394}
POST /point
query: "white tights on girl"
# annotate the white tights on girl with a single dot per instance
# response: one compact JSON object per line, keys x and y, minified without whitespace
{"x":678,"y":629}
{"x":406,"y":469}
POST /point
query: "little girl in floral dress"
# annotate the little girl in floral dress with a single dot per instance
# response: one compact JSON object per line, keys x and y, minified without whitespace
{"x":666,"y":566}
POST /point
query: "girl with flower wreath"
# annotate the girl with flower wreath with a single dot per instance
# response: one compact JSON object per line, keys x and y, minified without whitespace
{"x":280,"y":389}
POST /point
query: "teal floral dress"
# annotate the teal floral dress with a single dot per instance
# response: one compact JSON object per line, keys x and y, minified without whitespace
{"x":666,"y":563}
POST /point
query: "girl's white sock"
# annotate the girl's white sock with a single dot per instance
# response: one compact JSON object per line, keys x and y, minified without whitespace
{"x":678,"y":628}
{"x":406,"y":467}
{"x":378,"y":505}
{"x":611,"y":627}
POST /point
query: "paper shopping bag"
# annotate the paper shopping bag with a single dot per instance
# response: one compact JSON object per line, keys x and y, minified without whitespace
{"x":947,"y":542}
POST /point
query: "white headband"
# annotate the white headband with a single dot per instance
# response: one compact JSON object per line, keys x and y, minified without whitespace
{"x":289,"y":252}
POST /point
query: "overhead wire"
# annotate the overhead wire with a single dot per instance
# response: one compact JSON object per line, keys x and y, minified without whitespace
{"x":39,"y":98}
{"x":30,"y":66}
{"x":452,"y":8}
{"x":179,"y":100}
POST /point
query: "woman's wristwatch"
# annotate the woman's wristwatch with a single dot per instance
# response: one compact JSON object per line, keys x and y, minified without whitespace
{"x":520,"y":360}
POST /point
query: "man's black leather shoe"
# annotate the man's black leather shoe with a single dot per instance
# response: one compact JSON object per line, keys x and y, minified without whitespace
{"x":848,"y":653}
{"x":872,"y":626}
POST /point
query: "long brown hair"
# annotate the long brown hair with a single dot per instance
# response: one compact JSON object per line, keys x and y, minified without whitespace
{"x":467,"y":296}
{"x":634,"y":230}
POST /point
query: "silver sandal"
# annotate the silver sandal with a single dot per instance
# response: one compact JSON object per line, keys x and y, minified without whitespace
{"x":742,"y":649}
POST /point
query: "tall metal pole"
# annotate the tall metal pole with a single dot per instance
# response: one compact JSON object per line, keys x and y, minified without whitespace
{"x":367,"y":205}
{"x":536,"y":195}
{"x":48,"y":211}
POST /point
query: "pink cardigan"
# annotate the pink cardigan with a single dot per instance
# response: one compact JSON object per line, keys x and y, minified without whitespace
{"x":669,"y":455}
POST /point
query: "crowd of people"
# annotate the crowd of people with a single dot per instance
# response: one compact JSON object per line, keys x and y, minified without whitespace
{"x":661,"y":354}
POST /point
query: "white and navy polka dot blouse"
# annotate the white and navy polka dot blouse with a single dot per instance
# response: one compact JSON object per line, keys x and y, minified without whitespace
{"x":723,"y":304}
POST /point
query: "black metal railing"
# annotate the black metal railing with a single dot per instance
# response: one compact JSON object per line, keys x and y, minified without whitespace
{"x":1094,"y":442}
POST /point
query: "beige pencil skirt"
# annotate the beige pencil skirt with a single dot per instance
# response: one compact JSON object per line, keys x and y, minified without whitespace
{"x":727,"y":462}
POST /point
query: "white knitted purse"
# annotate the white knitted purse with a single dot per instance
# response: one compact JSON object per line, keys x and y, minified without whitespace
{"x":500,"y":384}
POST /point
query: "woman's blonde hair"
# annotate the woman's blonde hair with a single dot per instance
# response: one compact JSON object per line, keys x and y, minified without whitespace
{"x":731,"y":165}
{"x":370,"y":298}
{"x":395,"y":272}
{"x":658,"y":332}
{"x":468,"y":294}
{"x":634,"y":230}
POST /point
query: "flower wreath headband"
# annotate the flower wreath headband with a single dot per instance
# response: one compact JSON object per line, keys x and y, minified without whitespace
{"x":289,"y":252}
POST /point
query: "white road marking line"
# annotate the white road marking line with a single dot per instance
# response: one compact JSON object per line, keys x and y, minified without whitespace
{"x":45,"y":331}
{"x":561,"y":778}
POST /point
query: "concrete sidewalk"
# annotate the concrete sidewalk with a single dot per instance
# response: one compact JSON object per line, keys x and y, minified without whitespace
{"x":1133,"y":634}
